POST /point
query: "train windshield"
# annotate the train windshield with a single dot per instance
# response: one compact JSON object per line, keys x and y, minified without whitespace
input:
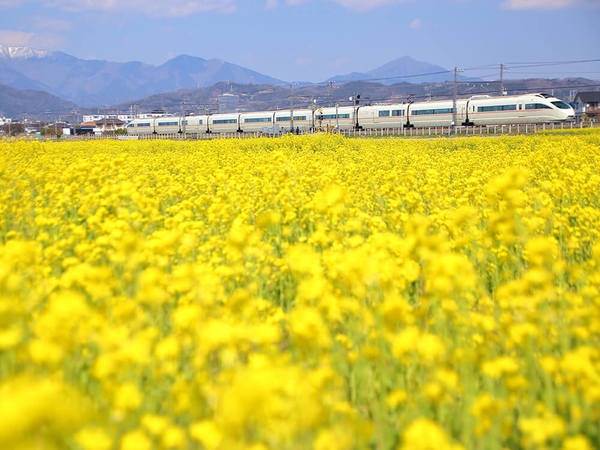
{"x":561,"y":105}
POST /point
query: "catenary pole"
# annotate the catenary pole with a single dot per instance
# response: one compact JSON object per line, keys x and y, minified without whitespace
{"x":292,"y":107}
{"x":454,"y":95}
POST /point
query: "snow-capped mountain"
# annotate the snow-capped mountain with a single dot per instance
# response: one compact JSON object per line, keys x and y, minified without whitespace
{"x":21,"y":52}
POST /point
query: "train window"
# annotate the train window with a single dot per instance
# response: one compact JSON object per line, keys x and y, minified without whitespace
{"x":561,"y":105}
{"x":332,"y":116}
{"x":423,"y":112}
{"x":497,"y":108}
{"x":168,"y":124}
{"x":222,"y":121}
{"x":385,"y":113}
{"x":143,"y":124}
{"x":536,"y":106}
{"x":257,"y":120}
{"x":288,"y":118}
{"x":443,"y":111}
{"x":397,"y":112}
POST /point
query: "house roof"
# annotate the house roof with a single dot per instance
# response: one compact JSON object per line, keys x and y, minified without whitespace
{"x":588,"y":97}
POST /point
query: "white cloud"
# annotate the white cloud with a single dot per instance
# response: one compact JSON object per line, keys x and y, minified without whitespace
{"x":271,"y":4}
{"x":541,"y":4}
{"x":415,"y":24}
{"x":365,"y":5}
{"x":356,"y":5}
{"x":172,"y":8}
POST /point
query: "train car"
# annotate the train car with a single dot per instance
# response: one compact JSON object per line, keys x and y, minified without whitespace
{"x":435,"y":114}
{"x":195,"y":125}
{"x":515,"y":109}
{"x":167,"y":125}
{"x":342,"y":118}
{"x":302,"y":120}
{"x":256,"y":121}
{"x":223,"y":123}
{"x":382,"y":116}
{"x":140,"y":127}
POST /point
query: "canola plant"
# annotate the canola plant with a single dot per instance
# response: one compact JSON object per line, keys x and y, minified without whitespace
{"x":301,"y":292}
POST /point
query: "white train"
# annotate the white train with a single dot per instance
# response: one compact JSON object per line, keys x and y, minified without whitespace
{"x":477,"y":110}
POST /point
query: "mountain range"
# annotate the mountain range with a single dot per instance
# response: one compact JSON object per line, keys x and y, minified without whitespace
{"x":94,"y":83}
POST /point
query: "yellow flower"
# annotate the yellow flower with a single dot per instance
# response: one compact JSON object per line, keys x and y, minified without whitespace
{"x":207,"y":433}
{"x":135,"y":440}
{"x":127,"y":397}
{"x":424,"y":434}
{"x":576,"y":443}
{"x":94,"y":439}
{"x":10,"y":337}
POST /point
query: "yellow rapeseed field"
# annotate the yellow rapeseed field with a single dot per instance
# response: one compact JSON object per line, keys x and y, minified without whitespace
{"x":302,"y":292}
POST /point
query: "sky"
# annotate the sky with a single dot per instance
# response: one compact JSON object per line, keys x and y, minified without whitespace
{"x":312,"y":40}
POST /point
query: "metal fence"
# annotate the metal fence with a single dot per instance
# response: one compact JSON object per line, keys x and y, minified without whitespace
{"x":423,"y":132}
{"x":483,"y":130}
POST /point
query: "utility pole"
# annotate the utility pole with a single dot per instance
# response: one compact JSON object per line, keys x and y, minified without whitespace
{"x":501,"y":79}
{"x":454,"y":95}
{"x":292,"y":108}
{"x":331,"y":94}
{"x":183,"y":116}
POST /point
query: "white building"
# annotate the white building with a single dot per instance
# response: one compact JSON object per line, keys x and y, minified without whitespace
{"x":4,"y":120}
{"x":228,"y":103}
{"x":97,"y":117}
{"x":588,"y":103}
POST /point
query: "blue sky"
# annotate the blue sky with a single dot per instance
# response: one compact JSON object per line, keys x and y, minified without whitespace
{"x":311,"y":39}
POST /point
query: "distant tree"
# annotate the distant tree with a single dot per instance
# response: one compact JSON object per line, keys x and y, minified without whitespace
{"x":121,"y":132}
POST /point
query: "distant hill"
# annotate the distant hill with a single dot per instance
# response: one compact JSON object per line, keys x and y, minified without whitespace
{"x":401,"y":69}
{"x":92,"y":83}
{"x":268,"y":97}
{"x":17,"y":102}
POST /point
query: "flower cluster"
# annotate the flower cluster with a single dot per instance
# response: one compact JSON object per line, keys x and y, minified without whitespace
{"x":302,"y":292}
